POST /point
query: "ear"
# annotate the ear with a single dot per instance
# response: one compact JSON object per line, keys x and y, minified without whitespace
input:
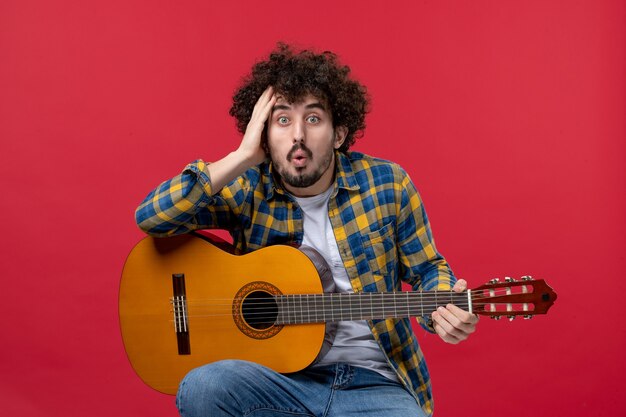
{"x":340,"y":136}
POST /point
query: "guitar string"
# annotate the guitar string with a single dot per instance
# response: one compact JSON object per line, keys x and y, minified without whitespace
{"x":427,"y":295}
{"x":378,"y":310}
{"x":347,"y":305}
{"x":259,"y":308}
{"x":349,"y":299}
{"x":307,"y":319}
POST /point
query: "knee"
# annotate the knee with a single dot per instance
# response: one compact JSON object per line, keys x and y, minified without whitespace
{"x":210,"y":386}
{"x":213,"y":377}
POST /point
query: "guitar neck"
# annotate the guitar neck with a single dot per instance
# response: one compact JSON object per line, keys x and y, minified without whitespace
{"x":333,"y":307}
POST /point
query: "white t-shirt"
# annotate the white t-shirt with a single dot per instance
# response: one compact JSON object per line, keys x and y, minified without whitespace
{"x":353,"y":343}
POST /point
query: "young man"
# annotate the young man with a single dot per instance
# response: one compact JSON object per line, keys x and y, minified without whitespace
{"x":293,"y":180}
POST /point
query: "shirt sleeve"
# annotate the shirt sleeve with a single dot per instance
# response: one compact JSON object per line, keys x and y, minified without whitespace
{"x":186,"y":203}
{"x":421,"y":265}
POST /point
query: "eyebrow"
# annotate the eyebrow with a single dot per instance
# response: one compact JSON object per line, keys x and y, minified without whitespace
{"x":314,"y":105}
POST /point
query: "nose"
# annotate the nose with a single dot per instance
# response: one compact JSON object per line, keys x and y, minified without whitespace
{"x":298,"y":132}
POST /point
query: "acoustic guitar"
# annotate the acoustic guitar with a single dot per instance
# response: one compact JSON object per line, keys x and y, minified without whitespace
{"x":188,"y":300}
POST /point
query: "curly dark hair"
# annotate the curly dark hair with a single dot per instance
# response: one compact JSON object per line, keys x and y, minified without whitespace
{"x":294,"y":74}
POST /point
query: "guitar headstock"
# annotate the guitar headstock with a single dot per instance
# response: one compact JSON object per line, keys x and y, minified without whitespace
{"x":511,"y":298}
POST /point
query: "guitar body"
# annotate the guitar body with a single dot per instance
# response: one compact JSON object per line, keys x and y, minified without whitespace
{"x":214,"y":282}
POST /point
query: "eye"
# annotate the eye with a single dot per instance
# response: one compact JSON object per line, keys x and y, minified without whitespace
{"x":313,"y":119}
{"x":282,"y":120}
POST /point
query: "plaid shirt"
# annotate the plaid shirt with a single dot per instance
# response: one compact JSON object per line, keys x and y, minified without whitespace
{"x":378,"y":219}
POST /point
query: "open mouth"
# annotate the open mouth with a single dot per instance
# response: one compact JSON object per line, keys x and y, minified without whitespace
{"x":299,"y":156}
{"x":299,"y":161}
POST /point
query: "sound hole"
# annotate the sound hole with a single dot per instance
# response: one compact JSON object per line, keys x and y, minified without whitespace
{"x":259,"y":310}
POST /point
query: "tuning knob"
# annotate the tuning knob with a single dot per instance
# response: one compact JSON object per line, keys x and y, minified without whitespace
{"x":528,"y":316}
{"x":509,"y":279}
{"x":496,"y":317}
{"x":494,"y":281}
{"x":527,"y":278}
{"x":511,"y":318}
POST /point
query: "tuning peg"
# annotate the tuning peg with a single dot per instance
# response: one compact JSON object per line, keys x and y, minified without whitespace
{"x":527,"y":278}
{"x":528,"y":316}
{"x":511,"y":318}
{"x":494,"y":281}
{"x":509,"y":279}
{"x":496,"y":317}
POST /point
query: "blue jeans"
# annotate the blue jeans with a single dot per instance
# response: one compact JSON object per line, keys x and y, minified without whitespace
{"x":239,"y":388}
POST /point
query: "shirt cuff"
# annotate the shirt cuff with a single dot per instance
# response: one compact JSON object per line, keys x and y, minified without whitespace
{"x":426,"y":323}
{"x":199,"y":169}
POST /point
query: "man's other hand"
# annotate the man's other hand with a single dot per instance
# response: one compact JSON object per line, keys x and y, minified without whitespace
{"x":451,"y":323}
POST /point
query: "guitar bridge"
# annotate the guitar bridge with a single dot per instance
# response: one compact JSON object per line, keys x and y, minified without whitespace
{"x":181,"y":318}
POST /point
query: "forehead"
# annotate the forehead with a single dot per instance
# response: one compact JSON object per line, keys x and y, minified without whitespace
{"x":305,"y":100}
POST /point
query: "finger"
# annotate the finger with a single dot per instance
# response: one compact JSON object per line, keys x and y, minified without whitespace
{"x":444,"y":329}
{"x":463,"y":316}
{"x":453,"y":325}
{"x":270,"y":105}
{"x":262,"y":102}
{"x":267,"y":92}
{"x":269,"y":101}
{"x":447,"y":324}
{"x":460,"y":286}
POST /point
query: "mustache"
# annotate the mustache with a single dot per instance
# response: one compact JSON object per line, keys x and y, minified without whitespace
{"x":299,"y":146}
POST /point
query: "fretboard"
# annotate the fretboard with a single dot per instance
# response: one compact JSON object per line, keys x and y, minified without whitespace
{"x":332,"y":307}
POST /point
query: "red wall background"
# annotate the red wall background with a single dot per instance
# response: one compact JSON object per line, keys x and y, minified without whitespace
{"x":508,"y":115}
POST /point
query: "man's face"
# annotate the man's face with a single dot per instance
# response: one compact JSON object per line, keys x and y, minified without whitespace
{"x":301,"y":141}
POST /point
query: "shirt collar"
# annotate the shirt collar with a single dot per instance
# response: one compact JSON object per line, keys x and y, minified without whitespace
{"x":344,"y":175}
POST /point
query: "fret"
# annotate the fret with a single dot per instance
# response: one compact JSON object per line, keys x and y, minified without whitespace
{"x":297,"y":308}
{"x":328,"y":306}
{"x":360,"y":305}
{"x":279,"y":317}
{"x":375,"y":307}
{"x":318,"y":319}
{"x":385,"y":305}
{"x":408,"y":307}
{"x":308,"y":309}
{"x":284,"y":303}
{"x":395,"y":307}
{"x":289,"y":319}
{"x":349,"y":302}
{"x":305,"y":308}
{"x":340,"y":308}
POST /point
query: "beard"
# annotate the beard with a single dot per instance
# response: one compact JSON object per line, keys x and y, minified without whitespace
{"x":301,"y":179}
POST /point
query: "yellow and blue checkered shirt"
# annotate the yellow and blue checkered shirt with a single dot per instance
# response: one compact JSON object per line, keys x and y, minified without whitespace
{"x":378,"y":219}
